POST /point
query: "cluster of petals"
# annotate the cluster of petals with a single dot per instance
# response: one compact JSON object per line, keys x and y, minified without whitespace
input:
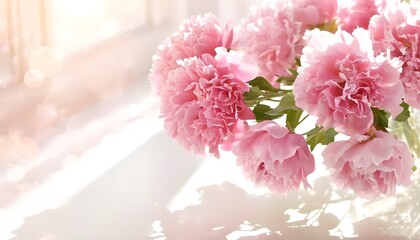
{"x":370,"y":167}
{"x":196,"y":36}
{"x":271,"y":37}
{"x":273,"y":157}
{"x":313,"y":13}
{"x":201,"y":72}
{"x":205,"y":99}
{"x":397,"y":29}
{"x":353,"y":14}
{"x":340,"y":80}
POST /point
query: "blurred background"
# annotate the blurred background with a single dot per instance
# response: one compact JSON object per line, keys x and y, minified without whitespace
{"x":76,"y":106}
{"x":83,"y":154}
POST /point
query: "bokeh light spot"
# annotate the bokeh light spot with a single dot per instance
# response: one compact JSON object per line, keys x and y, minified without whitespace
{"x":47,"y":60}
{"x":34,"y":78}
{"x":15,"y":174}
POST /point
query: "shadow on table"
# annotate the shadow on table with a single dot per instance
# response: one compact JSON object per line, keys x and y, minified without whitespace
{"x":124,"y":203}
{"x":226,"y":208}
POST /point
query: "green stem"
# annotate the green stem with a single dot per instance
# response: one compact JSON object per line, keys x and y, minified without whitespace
{"x":263,"y":99}
{"x":309,"y":138}
{"x":319,"y":129}
{"x":268,"y":96}
{"x":303,"y":119}
{"x":291,"y":129}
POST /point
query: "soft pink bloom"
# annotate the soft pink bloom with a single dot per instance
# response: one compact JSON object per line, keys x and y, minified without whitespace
{"x":353,"y":14}
{"x":313,"y":12}
{"x":370,"y":167}
{"x":204,"y":100}
{"x":271,"y":37}
{"x":340,"y":80}
{"x":273,"y":157}
{"x":397,"y":29}
{"x":382,"y":4}
{"x":197,"y":36}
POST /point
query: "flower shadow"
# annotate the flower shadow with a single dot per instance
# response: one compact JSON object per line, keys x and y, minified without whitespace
{"x":121,"y":205}
{"x":227,"y":211}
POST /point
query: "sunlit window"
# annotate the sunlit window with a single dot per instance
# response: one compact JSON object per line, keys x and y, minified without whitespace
{"x":65,"y":26}
{"x":79,"y":23}
{"x":5,"y":63}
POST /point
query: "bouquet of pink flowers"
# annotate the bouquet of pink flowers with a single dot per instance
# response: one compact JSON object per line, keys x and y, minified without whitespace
{"x":246,"y":88}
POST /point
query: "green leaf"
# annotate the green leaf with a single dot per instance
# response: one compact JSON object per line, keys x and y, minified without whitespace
{"x":287,"y":102}
{"x":405,"y":114}
{"x":320,"y":136}
{"x":289,"y":80}
{"x":275,"y":113}
{"x":286,"y":80}
{"x":287,"y":106}
{"x":262,"y":84}
{"x":253,"y":93}
{"x":260,"y":112}
{"x":314,"y":130}
{"x":380,"y":119}
{"x":251,"y":97}
{"x":297,"y":62}
{"x":330,"y":26}
{"x":292,"y":119}
{"x":414,"y":168}
{"x":330,"y":133}
{"x":410,"y":134}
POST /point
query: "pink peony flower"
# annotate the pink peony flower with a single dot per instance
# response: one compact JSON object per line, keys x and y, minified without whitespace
{"x":397,"y":29}
{"x":197,"y":36}
{"x":370,"y":167}
{"x":313,"y":12}
{"x":272,"y":38}
{"x":272,"y":156}
{"x":204,"y":99}
{"x":353,"y":14}
{"x":340,"y":80}
{"x":382,"y":4}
